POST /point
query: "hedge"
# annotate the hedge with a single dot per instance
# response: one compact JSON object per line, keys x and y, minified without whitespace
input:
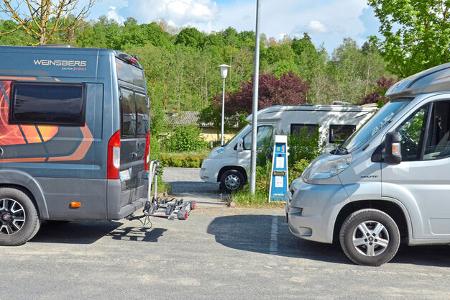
{"x":183,"y":160}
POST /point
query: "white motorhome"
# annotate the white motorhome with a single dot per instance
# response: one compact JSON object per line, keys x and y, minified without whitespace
{"x":230,"y":163}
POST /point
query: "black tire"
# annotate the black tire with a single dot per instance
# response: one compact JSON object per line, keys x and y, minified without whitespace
{"x":182,"y":215}
{"x":378,"y":245}
{"x":28,"y":228}
{"x":237,"y":178}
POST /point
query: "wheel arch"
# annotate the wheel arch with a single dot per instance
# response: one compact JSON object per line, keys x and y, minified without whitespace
{"x":393,"y":209}
{"x":27,"y":184}
{"x":237,"y":168}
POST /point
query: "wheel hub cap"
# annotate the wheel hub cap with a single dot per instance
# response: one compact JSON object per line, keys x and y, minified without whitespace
{"x":6,"y":217}
{"x":232,"y":182}
{"x":370,"y":238}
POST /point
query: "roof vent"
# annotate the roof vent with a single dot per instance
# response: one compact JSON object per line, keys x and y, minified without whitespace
{"x":341,"y":103}
{"x":55,"y":46}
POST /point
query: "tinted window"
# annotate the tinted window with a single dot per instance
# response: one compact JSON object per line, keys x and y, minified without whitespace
{"x":128,"y":113}
{"x":412,"y":132}
{"x":130,"y":73}
{"x":47,"y":103}
{"x":142,"y":111}
{"x":311,"y":129}
{"x":438,"y":142}
{"x":339,"y":133}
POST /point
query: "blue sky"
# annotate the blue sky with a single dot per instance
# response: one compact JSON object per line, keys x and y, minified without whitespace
{"x":327,"y":21}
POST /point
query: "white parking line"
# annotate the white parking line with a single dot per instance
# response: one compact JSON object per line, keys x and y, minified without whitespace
{"x":274,"y":235}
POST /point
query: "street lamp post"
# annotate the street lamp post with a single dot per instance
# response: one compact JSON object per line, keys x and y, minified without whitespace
{"x":255,"y":102}
{"x":224,"y":74}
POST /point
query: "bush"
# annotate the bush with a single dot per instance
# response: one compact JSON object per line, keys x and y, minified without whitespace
{"x":378,"y":95}
{"x":155,"y":147}
{"x":185,"y":139}
{"x":297,"y":168}
{"x":183,"y":160}
{"x":303,"y":146}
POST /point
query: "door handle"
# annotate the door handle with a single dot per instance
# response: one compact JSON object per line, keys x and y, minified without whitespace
{"x":1,"y":152}
{"x":133,"y":155}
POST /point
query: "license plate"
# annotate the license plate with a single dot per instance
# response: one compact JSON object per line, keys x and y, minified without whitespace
{"x":125,"y":175}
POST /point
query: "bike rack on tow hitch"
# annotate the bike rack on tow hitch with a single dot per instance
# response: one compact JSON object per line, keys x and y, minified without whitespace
{"x":163,"y":208}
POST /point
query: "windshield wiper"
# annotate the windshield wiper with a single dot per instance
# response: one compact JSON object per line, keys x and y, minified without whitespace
{"x":340,"y":150}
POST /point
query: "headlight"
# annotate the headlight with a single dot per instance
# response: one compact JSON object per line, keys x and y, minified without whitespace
{"x":216,"y":152}
{"x":295,"y":185}
{"x":326,"y":167}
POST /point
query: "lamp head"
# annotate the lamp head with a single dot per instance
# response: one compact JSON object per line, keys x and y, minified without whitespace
{"x":224,"y":71}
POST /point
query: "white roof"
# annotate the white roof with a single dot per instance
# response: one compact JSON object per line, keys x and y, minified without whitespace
{"x":434,"y":80}
{"x":328,"y":108}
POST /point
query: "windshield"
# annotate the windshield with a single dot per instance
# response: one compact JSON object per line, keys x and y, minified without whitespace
{"x":374,"y":125}
{"x":238,"y":135}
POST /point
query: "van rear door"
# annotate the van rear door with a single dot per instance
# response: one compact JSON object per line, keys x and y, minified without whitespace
{"x":142,"y":134}
{"x":134,"y":128}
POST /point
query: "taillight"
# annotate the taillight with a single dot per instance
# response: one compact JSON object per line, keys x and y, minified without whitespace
{"x":113,"y":164}
{"x":147,"y":152}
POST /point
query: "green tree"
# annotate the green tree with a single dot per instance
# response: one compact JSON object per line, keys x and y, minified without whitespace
{"x":155,"y":35}
{"x":190,"y":37}
{"x":279,"y":59}
{"x":355,"y":71}
{"x":416,"y":33}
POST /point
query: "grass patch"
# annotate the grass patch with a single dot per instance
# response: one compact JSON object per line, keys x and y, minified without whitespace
{"x":244,"y":198}
{"x":162,"y":186}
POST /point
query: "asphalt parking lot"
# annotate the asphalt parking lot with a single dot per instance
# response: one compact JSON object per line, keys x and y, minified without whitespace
{"x":218,"y":253}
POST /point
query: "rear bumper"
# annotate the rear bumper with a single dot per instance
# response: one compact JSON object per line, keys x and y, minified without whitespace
{"x":115,"y":210}
{"x":129,"y":209}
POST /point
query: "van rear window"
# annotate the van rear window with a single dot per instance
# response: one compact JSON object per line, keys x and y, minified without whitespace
{"x":134,"y":114}
{"x":142,"y":111}
{"x":47,"y":103}
{"x":130,"y":73}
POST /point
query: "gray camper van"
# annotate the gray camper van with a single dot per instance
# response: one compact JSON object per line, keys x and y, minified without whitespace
{"x":389,"y":182}
{"x":74,"y":137}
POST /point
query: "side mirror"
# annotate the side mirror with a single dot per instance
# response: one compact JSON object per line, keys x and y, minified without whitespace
{"x":393,"y":150}
{"x":240,"y":146}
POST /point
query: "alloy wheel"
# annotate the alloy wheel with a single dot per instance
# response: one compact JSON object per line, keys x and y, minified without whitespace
{"x":12,"y":216}
{"x":370,"y":238}
{"x":232,"y":182}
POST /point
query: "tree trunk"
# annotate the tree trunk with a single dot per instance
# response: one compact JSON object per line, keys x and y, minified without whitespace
{"x":45,"y":13}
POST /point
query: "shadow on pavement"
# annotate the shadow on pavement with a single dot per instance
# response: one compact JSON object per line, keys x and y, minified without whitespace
{"x":253,"y":233}
{"x":90,"y":232}
{"x":194,"y":187}
{"x":138,"y":234}
{"x":437,"y":256}
{"x":74,"y":233}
